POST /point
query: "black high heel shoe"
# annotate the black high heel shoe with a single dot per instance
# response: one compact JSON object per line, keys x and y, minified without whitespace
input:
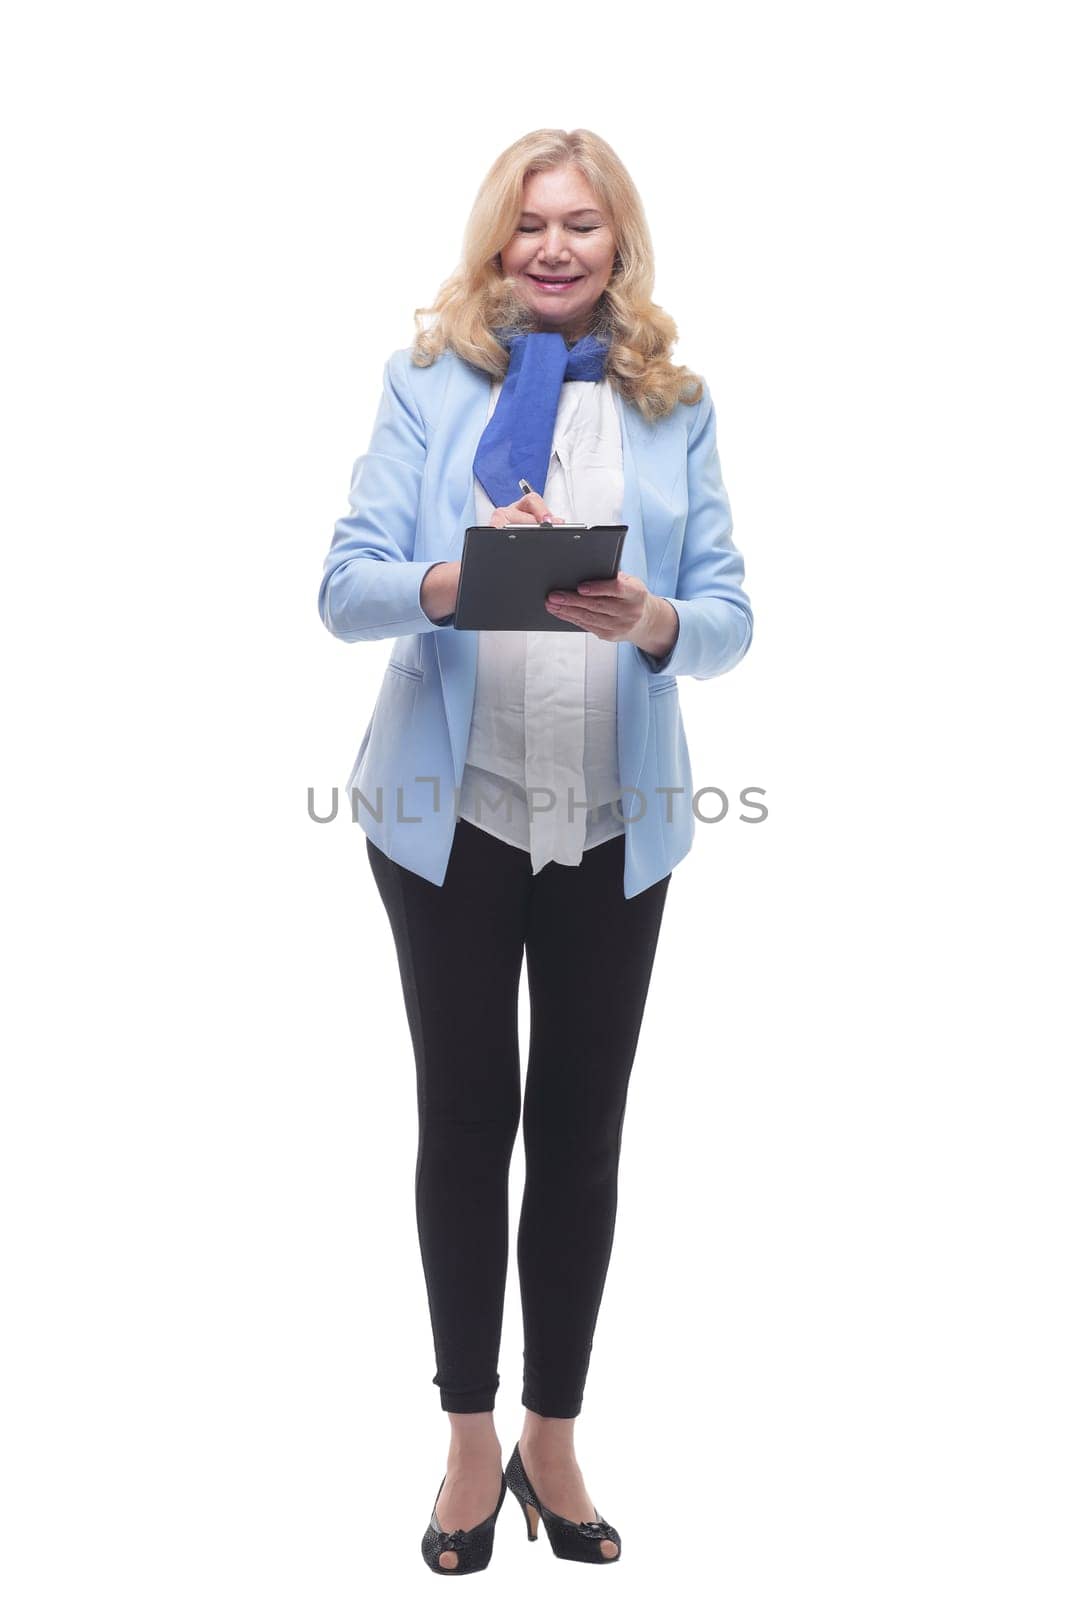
{"x":473,"y":1546}
{"x":571,"y":1541}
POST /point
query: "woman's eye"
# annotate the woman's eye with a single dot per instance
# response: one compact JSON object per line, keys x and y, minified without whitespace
{"x":587,"y":229}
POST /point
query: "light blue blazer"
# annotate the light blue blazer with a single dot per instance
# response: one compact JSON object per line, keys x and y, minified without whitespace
{"x":411,"y":498}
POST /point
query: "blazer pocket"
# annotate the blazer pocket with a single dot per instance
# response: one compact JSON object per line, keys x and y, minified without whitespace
{"x":405,"y":670}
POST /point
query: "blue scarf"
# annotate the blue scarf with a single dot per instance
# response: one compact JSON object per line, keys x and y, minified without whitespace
{"x":517,"y":440}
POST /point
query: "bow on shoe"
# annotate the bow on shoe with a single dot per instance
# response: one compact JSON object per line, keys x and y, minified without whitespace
{"x":598,"y":1530}
{"x":457,"y":1539}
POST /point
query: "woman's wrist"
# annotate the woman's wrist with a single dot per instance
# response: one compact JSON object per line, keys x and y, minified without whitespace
{"x":659,"y":633}
{"x":436,"y":592}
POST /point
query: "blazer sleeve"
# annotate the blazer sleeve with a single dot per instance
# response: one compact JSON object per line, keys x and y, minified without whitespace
{"x":714,"y":613}
{"x":370,"y":584}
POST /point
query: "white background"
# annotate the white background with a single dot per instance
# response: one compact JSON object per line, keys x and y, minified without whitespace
{"x":830,"y":1355}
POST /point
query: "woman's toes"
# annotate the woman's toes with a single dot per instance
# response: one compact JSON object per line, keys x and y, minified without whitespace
{"x":608,"y":1549}
{"x":449,"y":1558}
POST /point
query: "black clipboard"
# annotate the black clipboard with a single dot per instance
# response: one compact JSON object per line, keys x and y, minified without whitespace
{"x":506,"y":573}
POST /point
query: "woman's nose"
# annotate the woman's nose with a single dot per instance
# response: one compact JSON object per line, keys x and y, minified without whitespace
{"x":554,"y":247}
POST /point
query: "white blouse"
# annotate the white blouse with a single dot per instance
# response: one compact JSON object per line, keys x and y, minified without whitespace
{"x":543,"y":723}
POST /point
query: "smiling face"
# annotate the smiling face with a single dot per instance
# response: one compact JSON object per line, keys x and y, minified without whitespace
{"x":562,"y":234}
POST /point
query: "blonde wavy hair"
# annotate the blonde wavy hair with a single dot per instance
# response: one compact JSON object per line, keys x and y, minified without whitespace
{"x":478,"y":297}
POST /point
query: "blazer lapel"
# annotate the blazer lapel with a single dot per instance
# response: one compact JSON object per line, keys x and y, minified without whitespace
{"x":466,"y":403}
{"x":631,"y":691}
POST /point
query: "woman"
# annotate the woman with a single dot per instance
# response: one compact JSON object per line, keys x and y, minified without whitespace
{"x":528,"y":794}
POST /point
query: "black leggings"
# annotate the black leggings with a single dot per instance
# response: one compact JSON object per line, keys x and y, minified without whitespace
{"x":589,"y":954}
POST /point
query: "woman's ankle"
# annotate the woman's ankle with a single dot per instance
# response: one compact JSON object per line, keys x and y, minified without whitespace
{"x":549,"y":1438}
{"x":473,"y":1434}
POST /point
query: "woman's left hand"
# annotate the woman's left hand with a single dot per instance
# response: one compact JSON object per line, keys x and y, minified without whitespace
{"x":619,"y":608}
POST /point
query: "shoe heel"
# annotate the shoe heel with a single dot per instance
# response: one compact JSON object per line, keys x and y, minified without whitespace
{"x":517,"y":1481}
{"x":532,"y":1515}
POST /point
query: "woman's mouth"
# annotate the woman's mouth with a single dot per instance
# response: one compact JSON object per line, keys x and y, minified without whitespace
{"x":554,"y":285}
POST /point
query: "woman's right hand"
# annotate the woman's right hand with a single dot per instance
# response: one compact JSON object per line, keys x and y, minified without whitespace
{"x":440,"y":585}
{"x":531,"y":508}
